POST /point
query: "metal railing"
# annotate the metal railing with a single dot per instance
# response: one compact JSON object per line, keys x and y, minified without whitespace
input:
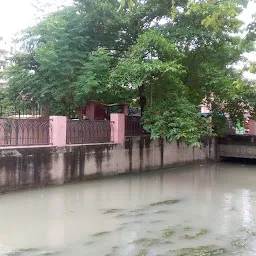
{"x":85,"y":131}
{"x":25,"y":132}
{"x":133,"y":126}
{"x":21,"y":111}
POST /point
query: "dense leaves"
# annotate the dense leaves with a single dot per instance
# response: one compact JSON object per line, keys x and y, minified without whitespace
{"x":126,"y":3}
{"x":176,"y":119}
{"x":166,"y":56}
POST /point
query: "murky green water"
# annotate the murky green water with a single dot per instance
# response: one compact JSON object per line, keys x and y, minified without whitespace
{"x":186,"y":211}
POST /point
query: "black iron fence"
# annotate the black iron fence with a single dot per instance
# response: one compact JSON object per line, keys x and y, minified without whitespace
{"x":21,"y":111}
{"x":25,"y":132}
{"x":133,"y":126}
{"x":85,"y":131}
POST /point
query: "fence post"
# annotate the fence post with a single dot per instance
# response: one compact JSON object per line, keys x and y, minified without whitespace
{"x":16,"y":124}
{"x":117,"y":128}
{"x":58,"y":132}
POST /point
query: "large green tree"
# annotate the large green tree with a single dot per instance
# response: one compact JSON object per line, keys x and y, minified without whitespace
{"x":166,"y":56}
{"x":207,"y":34}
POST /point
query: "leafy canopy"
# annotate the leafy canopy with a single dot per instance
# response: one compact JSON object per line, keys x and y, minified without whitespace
{"x":166,"y":56}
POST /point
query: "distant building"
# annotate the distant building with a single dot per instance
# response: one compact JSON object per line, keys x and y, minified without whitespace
{"x":7,"y":49}
{"x":204,"y":109}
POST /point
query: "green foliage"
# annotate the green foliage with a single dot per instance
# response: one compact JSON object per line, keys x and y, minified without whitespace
{"x":94,"y":75}
{"x":150,"y":58}
{"x":126,"y":3}
{"x":169,"y":55}
{"x":251,"y":29}
{"x":221,"y":126}
{"x":176,"y":120}
{"x":218,"y":15}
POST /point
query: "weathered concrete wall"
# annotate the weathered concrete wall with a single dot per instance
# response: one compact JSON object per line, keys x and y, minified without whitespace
{"x":237,"y":146}
{"x":23,"y":168}
{"x":237,"y":151}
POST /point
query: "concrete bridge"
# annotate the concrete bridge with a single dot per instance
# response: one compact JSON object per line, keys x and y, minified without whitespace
{"x":237,"y":146}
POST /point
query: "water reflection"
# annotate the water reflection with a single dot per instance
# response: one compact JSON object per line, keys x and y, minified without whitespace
{"x":246,"y":208}
{"x":217,"y":198}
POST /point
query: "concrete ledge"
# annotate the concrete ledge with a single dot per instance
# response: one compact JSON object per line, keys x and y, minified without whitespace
{"x":237,"y":151}
{"x":32,"y":167}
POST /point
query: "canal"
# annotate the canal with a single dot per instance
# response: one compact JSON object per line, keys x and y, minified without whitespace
{"x":185,"y":211}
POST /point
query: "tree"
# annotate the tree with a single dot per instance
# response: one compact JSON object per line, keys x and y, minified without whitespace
{"x":59,"y":53}
{"x":205,"y":32}
{"x":150,"y":60}
{"x":166,"y":56}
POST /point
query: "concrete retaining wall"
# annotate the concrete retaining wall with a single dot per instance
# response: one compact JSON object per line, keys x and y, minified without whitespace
{"x":32,"y":167}
{"x":237,"y":146}
{"x":237,"y":151}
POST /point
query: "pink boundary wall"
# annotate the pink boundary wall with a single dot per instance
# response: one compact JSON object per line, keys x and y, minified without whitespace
{"x":58,"y":131}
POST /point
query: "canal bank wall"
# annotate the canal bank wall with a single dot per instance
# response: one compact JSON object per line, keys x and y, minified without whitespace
{"x":34,"y":167}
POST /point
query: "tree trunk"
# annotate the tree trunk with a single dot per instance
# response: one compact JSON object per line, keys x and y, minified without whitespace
{"x":46,"y":111}
{"x":80,"y":114}
{"x":143,"y":99}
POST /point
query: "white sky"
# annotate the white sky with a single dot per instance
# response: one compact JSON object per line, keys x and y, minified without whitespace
{"x":16,"y":15}
{"x":19,"y":14}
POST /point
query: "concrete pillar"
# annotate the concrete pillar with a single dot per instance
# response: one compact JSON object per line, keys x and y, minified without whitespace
{"x":58,"y":131}
{"x":90,"y":110}
{"x":252,"y":127}
{"x":117,"y":128}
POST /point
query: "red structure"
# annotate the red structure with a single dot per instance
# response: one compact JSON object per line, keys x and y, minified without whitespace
{"x":95,"y":110}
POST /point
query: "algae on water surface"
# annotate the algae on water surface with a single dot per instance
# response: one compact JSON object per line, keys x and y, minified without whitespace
{"x":109,"y":211}
{"x":101,"y":233}
{"x":167,"y":202}
{"x":199,"y":251}
{"x":29,"y":251}
{"x":142,"y":253}
{"x":196,"y":235}
{"x":168,"y":232}
{"x":145,"y":242}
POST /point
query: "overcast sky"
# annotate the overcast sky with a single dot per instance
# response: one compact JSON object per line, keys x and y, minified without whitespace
{"x":19,"y":14}
{"x":16,"y":15}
